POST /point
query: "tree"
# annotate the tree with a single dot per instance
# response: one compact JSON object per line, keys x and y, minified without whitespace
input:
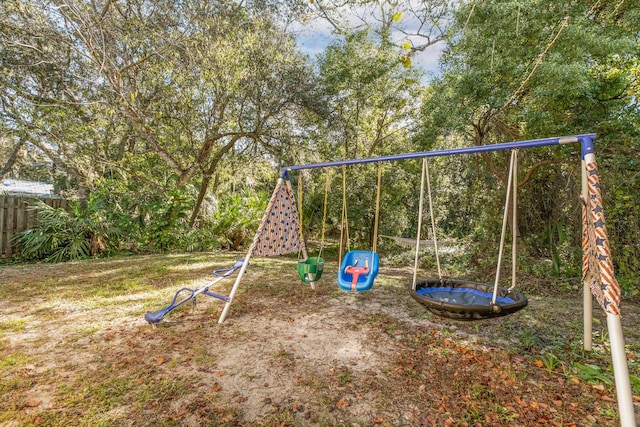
{"x":516,"y":70}
{"x":419,"y":23}
{"x":371,"y":98}
{"x":42,"y":94}
{"x":9,"y":153}
{"x":144,"y":90}
{"x":369,"y":95}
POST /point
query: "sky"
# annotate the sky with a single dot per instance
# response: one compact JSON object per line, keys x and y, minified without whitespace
{"x":314,"y":36}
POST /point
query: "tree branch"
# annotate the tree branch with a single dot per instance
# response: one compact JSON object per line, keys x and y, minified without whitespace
{"x":533,"y":168}
{"x":12,"y":158}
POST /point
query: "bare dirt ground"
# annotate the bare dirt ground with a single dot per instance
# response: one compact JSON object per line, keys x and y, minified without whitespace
{"x":75,"y":350}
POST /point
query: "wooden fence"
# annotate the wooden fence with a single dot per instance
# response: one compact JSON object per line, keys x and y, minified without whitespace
{"x":15,"y":216}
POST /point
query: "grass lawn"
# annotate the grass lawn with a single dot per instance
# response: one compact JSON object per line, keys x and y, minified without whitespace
{"x":75,"y":350}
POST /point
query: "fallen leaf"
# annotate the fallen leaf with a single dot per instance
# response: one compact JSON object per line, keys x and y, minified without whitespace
{"x":159,"y":361}
{"x":607,"y":398}
{"x":33,"y":403}
{"x":216,"y":388}
{"x":539,"y":363}
{"x":378,"y":420}
{"x":178,"y":413}
{"x":343,"y":403}
{"x":558,"y":403}
{"x":220,"y":373}
{"x":518,"y":360}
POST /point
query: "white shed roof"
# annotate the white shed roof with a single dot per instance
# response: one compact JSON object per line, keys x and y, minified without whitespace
{"x":18,"y":186}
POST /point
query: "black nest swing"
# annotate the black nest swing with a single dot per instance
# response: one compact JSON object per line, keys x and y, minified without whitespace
{"x":465,"y":300}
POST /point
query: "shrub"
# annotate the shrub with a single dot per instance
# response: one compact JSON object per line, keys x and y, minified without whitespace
{"x":62,"y":235}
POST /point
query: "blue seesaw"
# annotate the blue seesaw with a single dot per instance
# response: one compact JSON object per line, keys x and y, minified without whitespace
{"x":191,"y":294}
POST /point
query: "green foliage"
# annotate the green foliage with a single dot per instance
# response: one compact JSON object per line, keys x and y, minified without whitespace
{"x":194,"y":81}
{"x":515,"y":70}
{"x":592,"y":373}
{"x":61,"y":235}
{"x":556,"y":237}
{"x":236,"y":218}
{"x":550,"y":361}
{"x":622,"y":179}
{"x":153,"y":219}
{"x":167,"y":218}
{"x":635,"y":384}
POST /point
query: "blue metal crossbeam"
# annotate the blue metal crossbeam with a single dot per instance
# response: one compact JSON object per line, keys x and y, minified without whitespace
{"x":585,"y":139}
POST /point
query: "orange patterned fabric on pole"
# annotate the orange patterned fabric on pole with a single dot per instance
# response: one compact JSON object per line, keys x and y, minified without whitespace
{"x":597,"y":266}
{"x":279,"y":231}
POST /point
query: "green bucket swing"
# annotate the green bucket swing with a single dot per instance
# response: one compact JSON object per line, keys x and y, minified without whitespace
{"x":310,"y":269}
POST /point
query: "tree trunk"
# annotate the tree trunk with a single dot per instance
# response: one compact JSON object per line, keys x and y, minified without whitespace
{"x":8,"y":165}
{"x":206,"y":179}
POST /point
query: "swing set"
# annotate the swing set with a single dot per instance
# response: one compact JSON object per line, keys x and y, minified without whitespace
{"x":280,"y":232}
{"x":456,"y":299}
{"x":465,"y":300}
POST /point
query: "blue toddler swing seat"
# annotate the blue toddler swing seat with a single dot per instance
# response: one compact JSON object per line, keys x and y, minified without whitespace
{"x":359,"y":268}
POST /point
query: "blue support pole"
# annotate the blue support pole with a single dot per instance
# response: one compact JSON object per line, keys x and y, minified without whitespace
{"x":587,"y":145}
{"x":448,"y":152}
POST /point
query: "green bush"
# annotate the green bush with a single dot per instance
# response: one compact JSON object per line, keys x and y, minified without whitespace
{"x":61,"y":234}
{"x":237,"y":217}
